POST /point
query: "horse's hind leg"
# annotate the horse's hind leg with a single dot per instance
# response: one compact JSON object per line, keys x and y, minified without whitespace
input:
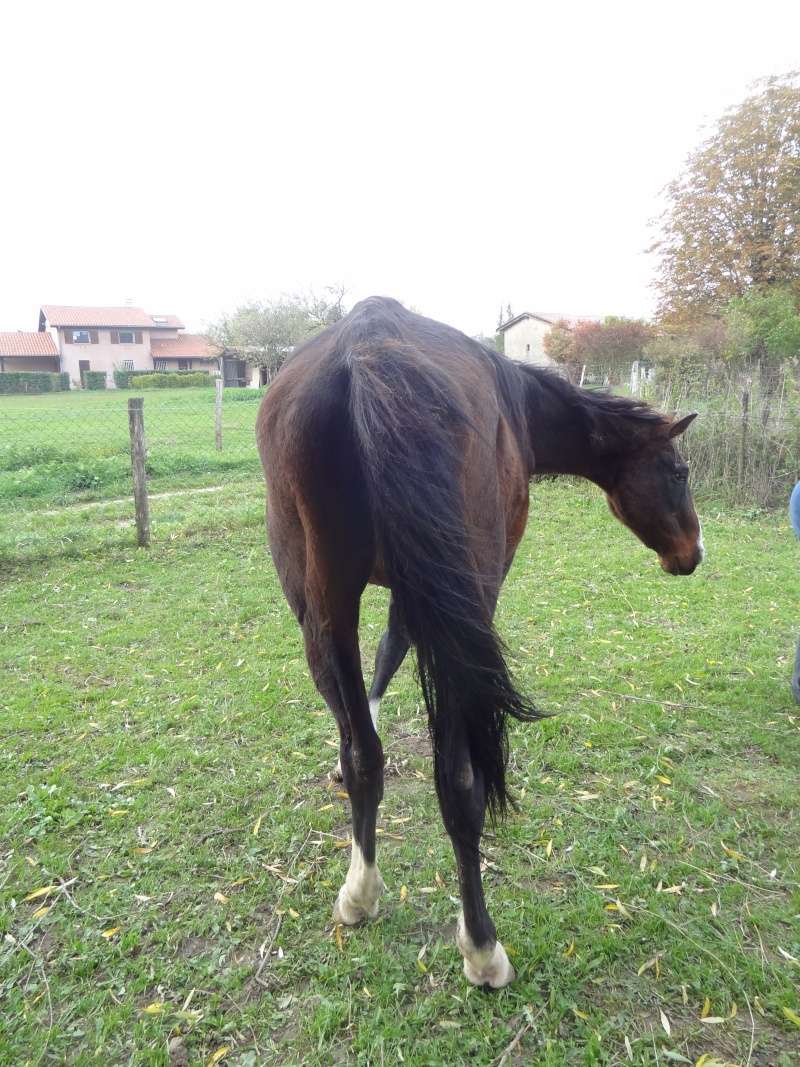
{"x":462,"y":798}
{"x":334,"y":585}
{"x":333,"y":657}
{"x":392,"y":649}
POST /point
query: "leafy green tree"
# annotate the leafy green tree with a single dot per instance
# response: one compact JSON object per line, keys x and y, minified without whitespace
{"x":763,"y":327}
{"x":264,"y":334}
{"x":732,"y":221}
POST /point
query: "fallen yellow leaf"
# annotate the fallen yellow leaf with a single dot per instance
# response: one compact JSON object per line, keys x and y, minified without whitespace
{"x":218,"y":1055}
{"x":111,"y":932}
{"x":731,"y":852}
{"x":220,"y":898}
{"x":43,"y":892}
{"x":153,"y":1009}
{"x":647,"y":966}
{"x":792,"y":1016}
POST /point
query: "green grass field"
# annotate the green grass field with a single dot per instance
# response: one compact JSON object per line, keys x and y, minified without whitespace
{"x":170,"y":845}
{"x":65,"y":447}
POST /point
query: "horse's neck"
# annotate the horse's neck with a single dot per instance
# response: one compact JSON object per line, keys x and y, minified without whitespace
{"x":559,"y":435}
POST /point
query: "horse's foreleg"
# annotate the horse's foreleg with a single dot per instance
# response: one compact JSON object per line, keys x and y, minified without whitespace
{"x":335,"y":665}
{"x":392,"y":651}
{"x":796,"y":675}
{"x":463,"y":803}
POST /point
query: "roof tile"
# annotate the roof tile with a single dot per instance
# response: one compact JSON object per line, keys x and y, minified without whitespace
{"x":21,"y":343}
{"x":63,"y":315}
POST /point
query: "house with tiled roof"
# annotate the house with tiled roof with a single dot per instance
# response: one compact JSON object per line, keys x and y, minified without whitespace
{"x":21,"y":350}
{"x":524,"y":334}
{"x":122,"y":338}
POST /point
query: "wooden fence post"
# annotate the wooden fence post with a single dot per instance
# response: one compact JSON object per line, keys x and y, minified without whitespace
{"x":138,"y":458}
{"x":743,"y":442}
{"x":218,"y":415}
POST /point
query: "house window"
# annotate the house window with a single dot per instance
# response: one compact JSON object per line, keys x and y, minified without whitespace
{"x":127,"y":364}
{"x":80,"y":337}
{"x":160,"y":364}
{"x":184,"y":364}
{"x":126,"y":337}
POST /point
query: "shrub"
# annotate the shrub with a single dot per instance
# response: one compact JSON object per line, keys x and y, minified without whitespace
{"x":170,"y":379}
{"x":94,"y":379}
{"x":122,"y":378}
{"x":33,"y":382}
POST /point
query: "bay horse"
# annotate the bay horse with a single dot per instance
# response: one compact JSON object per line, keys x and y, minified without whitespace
{"x":399,"y":451}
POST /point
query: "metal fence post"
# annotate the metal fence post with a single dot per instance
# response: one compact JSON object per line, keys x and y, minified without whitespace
{"x":218,"y":415}
{"x":138,"y":458}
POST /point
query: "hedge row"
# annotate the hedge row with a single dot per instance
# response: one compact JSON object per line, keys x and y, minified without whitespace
{"x":94,"y":379}
{"x":170,"y":380}
{"x":23,"y":381}
{"x":123,"y":378}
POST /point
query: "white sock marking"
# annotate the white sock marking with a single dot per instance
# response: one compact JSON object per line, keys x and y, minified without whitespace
{"x":483,"y":966}
{"x":358,"y":897}
{"x":374,"y":706}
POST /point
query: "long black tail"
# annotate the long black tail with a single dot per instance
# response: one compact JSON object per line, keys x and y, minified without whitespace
{"x":407,"y":422}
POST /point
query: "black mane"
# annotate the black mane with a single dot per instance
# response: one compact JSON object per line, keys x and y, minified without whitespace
{"x":615,"y":424}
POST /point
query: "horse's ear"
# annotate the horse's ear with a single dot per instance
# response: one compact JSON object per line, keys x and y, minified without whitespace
{"x":677,"y":428}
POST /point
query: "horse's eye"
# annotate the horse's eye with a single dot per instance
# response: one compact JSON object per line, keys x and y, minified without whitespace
{"x":680,"y":476}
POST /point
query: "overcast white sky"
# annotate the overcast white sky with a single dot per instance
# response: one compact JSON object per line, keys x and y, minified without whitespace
{"x":190,"y":157}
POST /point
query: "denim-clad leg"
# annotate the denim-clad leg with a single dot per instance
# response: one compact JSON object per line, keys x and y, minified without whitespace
{"x":794,"y":516}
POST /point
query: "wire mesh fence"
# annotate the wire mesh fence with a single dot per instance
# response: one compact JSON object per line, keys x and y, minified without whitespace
{"x":744,"y":449}
{"x":65,"y":449}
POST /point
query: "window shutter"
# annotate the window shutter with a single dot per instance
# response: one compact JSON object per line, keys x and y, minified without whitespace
{"x":114,"y":337}
{"x":137,"y":336}
{"x":93,"y":337}
{"x":68,"y":337}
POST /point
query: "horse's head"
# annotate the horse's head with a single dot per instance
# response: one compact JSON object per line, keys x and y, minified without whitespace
{"x":650,"y":494}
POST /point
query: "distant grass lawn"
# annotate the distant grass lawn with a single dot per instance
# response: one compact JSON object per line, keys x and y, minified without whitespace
{"x":62,"y":447}
{"x":170,"y":846}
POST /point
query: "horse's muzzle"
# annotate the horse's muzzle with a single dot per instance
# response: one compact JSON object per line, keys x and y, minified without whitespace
{"x":682,"y":564}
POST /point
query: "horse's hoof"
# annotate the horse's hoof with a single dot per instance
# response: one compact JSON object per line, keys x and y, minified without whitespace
{"x":495,"y":972}
{"x":336,"y":774}
{"x":487,"y":966}
{"x":350,"y":912}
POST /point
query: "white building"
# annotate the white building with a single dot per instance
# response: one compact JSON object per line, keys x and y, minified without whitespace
{"x":523,"y":336}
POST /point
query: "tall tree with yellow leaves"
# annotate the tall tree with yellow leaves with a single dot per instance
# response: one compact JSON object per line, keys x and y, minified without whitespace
{"x":732,"y":221}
